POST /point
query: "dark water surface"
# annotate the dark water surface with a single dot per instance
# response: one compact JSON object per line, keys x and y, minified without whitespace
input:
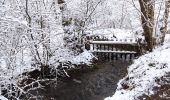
{"x":93,"y":84}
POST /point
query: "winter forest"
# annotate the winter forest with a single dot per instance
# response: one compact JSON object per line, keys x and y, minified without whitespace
{"x":84,"y":50}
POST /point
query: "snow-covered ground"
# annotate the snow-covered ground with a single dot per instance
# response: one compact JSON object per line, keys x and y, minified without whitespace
{"x":143,"y":73}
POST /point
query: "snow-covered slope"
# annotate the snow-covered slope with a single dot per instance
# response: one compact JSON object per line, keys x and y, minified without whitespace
{"x":143,"y":73}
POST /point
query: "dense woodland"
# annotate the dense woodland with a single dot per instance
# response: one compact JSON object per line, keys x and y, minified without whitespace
{"x":41,"y":40}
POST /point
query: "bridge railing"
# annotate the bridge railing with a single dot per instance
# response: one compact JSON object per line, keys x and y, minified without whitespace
{"x":114,"y":47}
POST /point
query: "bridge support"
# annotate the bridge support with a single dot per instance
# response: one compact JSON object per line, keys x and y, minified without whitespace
{"x":124,"y":49}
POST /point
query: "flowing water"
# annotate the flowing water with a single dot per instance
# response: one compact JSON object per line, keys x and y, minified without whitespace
{"x":94,"y":84}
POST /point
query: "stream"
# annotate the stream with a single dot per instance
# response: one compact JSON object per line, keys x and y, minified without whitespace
{"x":94,"y":84}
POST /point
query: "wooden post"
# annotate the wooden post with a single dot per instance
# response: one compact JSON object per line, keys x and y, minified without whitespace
{"x":99,"y":47}
{"x":131,"y":57}
{"x":93,"y":46}
{"x":104,"y":47}
{"x":108,"y":56}
{"x":112,"y":56}
{"x":121,"y":55}
{"x":112,"y":47}
{"x":116,"y":56}
{"x":126,"y":56}
{"x":108,"y":47}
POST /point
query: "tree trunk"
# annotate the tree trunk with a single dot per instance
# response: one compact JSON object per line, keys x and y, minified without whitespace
{"x":147,"y":19}
{"x":164,"y":27}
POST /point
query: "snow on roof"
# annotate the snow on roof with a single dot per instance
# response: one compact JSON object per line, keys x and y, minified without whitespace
{"x":112,"y":33}
{"x":143,"y":73}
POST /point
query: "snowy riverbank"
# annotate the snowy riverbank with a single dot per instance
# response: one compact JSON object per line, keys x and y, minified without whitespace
{"x":142,"y":75}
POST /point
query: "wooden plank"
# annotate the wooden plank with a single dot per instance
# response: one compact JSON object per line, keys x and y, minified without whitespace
{"x":112,"y":42}
{"x":104,"y":51}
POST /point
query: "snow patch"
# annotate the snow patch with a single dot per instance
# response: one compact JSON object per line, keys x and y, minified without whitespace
{"x":3,"y":98}
{"x":65,"y":55}
{"x":85,"y":57}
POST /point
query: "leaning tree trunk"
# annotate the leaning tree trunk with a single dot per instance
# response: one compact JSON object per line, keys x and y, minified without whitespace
{"x":147,"y":19}
{"x":164,"y":27}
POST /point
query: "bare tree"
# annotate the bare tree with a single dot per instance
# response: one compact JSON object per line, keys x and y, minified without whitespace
{"x":147,"y":19}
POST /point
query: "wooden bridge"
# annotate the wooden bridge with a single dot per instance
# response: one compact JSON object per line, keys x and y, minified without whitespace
{"x":114,"y":49}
